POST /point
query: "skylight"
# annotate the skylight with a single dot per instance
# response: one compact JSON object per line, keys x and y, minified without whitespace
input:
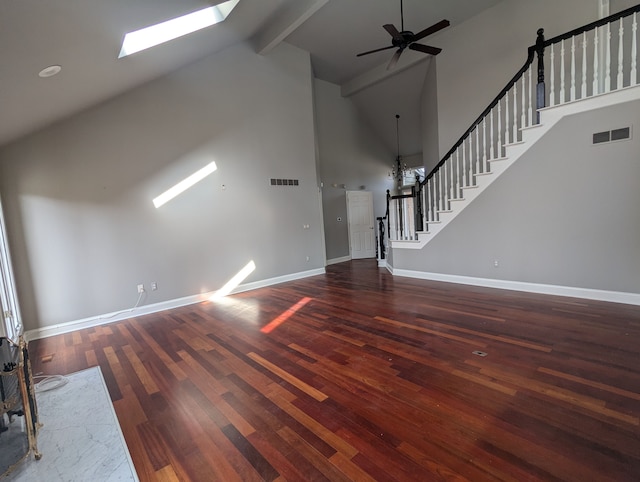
{"x":177,"y":27}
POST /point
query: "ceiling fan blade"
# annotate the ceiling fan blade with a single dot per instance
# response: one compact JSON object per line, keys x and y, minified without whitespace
{"x":374,"y":51}
{"x":433,"y":29}
{"x":425,"y":49}
{"x":394,"y":59}
{"x":392,"y":31}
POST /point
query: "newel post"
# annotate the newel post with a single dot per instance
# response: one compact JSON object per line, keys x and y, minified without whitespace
{"x":381,"y":240}
{"x":418,"y":201}
{"x":388,"y":200}
{"x":387,"y":217}
{"x":540,"y":91}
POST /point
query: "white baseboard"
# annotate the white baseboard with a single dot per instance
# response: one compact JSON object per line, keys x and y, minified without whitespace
{"x":585,"y":293}
{"x":104,"y":319}
{"x":343,"y":259}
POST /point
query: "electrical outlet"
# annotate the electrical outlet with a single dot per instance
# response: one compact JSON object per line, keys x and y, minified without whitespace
{"x":154,"y":286}
{"x":308,"y":258}
{"x":141,"y":288}
{"x":495,"y":263}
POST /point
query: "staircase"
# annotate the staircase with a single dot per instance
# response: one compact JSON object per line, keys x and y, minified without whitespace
{"x":579,"y":66}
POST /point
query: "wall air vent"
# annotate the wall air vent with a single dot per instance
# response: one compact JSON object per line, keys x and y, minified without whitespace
{"x":620,"y":134}
{"x":600,"y":137}
{"x":284,"y":182}
{"x":613,"y":135}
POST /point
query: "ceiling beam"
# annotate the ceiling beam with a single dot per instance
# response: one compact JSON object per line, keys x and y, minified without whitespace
{"x":285,"y":22}
{"x":378,"y":74}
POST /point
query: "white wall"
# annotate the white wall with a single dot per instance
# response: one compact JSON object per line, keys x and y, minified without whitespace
{"x":350,"y":155}
{"x":77,"y":195}
{"x":565,"y":214}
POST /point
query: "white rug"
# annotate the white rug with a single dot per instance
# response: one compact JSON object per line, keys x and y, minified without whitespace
{"x":80,"y":439}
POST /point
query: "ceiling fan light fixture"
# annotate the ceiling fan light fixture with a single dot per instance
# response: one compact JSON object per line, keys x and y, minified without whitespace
{"x":177,"y":27}
{"x":403,"y":39}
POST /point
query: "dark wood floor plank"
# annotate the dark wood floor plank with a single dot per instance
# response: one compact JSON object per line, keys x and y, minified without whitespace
{"x":315,"y":426}
{"x":366,"y":376}
{"x":433,"y":463}
{"x":476,"y":333}
{"x":318,"y":460}
{"x":253,"y":457}
{"x":305,"y":387}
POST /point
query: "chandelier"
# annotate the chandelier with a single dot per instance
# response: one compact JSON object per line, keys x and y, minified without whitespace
{"x":399,"y":170}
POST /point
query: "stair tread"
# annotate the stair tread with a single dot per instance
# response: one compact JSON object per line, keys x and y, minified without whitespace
{"x":532,"y":126}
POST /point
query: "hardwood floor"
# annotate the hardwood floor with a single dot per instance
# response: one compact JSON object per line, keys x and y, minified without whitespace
{"x":357,"y":375}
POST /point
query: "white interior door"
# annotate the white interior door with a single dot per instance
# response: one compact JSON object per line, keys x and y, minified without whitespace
{"x":361,"y":224}
{"x":10,"y":323}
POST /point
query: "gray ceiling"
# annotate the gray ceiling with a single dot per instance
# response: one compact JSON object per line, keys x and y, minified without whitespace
{"x":84,"y":37}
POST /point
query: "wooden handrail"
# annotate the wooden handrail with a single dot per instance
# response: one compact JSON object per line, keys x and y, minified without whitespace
{"x":475,"y":123}
{"x":592,"y":25}
{"x":530,"y":58}
{"x":403,"y":196}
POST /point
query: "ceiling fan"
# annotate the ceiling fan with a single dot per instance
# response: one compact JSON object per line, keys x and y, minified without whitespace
{"x":406,"y":39}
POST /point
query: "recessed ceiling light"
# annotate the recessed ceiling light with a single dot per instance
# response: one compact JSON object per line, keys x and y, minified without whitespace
{"x":49,"y":71}
{"x":177,"y":27}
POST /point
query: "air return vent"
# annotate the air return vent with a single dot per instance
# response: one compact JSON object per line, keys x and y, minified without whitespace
{"x":284,"y":182}
{"x":620,"y":134}
{"x":600,"y":137}
{"x":612,"y":135}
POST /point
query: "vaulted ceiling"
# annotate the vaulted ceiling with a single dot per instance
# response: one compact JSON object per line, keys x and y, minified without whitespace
{"x":84,"y":37}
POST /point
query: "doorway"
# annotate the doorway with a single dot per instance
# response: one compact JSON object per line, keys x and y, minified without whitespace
{"x":362,"y":239}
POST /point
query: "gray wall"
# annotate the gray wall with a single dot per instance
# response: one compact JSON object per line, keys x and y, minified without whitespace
{"x":619,"y":5}
{"x":566,"y":214}
{"x":350,"y":156}
{"x":77,"y":195}
{"x":380,"y":102}
{"x":482,"y":54}
{"x":429,"y":117}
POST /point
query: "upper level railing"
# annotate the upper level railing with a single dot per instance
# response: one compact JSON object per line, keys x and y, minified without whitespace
{"x":595,"y":50}
{"x":588,"y":61}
